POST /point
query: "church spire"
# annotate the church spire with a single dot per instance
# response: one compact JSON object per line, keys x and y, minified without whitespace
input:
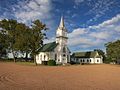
{"x":62,"y":22}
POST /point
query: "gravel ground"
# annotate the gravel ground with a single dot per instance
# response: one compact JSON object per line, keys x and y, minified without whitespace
{"x":80,"y":77}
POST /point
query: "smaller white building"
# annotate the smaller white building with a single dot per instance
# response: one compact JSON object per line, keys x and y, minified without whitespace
{"x":91,"y":57}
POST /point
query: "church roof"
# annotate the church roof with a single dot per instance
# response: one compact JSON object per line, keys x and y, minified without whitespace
{"x":90,"y":54}
{"x":48,"y":47}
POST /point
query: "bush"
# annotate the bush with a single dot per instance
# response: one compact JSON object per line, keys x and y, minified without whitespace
{"x":51,"y":63}
{"x":82,"y":63}
{"x":72,"y":62}
{"x":44,"y":62}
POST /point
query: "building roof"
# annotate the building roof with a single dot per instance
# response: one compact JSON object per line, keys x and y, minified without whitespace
{"x":90,"y":54}
{"x":48,"y":47}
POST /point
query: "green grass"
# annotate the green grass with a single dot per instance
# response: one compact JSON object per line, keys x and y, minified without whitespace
{"x":26,"y":63}
{"x":18,"y":62}
{"x":6,"y":60}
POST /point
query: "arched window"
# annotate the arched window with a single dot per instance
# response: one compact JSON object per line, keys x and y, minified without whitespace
{"x":68,"y":58}
{"x":87,"y":60}
{"x":97,"y":60}
{"x":90,"y":60}
{"x":64,"y":49}
{"x":55,"y":56}
{"x":40,"y":57}
{"x":83,"y":60}
{"x":64,"y":55}
{"x":44,"y":57}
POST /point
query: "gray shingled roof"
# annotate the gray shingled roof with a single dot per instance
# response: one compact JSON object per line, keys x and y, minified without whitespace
{"x":90,"y":54}
{"x":48,"y":47}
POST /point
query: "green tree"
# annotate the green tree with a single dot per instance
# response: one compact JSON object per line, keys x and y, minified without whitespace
{"x":21,"y":38}
{"x":113,"y":50}
{"x":3,"y":45}
{"x":37,"y":36}
{"x":9,"y":27}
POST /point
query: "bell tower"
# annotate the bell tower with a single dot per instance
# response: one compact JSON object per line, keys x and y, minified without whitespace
{"x":61,"y":33}
{"x":61,"y":39}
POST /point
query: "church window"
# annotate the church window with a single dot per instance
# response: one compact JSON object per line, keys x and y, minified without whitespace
{"x":87,"y":60}
{"x":67,"y":57}
{"x":97,"y":60}
{"x":83,"y":60}
{"x":64,"y":49}
{"x":40,"y":57}
{"x":64,"y":55}
{"x":90,"y":60}
{"x":44,"y":57}
{"x":55,"y":56}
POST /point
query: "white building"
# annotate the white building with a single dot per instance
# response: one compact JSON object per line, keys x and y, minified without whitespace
{"x":91,"y":57}
{"x":57,"y":50}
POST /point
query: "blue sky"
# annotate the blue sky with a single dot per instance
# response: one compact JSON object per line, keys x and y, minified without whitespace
{"x":90,"y":23}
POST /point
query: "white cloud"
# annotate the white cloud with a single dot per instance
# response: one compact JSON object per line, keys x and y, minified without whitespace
{"x":74,"y":15}
{"x":100,"y":35}
{"x":117,"y":28}
{"x":77,"y":2}
{"x":52,"y":39}
{"x":96,"y":36}
{"x":108,"y":23}
{"x":34,"y":9}
{"x":99,"y":8}
{"x":77,"y":32}
{"x":78,"y":40}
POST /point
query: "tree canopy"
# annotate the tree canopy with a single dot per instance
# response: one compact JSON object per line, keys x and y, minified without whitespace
{"x":17,"y":37}
{"x":113,"y":50}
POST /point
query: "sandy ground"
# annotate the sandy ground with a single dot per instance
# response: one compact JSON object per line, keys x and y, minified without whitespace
{"x":85,"y":77}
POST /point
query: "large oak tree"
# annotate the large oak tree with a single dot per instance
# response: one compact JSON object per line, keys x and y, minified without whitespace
{"x":21,"y":38}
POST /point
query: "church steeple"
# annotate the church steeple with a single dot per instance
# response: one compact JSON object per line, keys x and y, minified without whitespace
{"x":61,"y":32}
{"x":61,"y":40}
{"x":62,"y":22}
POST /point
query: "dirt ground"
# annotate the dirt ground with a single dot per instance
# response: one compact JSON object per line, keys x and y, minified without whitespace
{"x":85,"y":77}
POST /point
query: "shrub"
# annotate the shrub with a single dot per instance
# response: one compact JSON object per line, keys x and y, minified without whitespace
{"x":72,"y":62}
{"x":51,"y":63}
{"x":44,"y":62}
{"x":82,"y":63}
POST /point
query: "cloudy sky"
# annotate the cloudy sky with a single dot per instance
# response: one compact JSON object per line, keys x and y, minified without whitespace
{"x":90,"y":23}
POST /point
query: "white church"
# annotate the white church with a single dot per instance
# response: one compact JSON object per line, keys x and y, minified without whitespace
{"x":60,"y":52}
{"x":57,"y":50}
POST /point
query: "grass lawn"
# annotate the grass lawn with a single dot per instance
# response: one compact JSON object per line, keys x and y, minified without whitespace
{"x":26,"y":63}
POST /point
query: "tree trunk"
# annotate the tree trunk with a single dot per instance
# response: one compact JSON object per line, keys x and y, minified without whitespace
{"x":14,"y":57}
{"x":35,"y":60}
{"x":26,"y":57}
